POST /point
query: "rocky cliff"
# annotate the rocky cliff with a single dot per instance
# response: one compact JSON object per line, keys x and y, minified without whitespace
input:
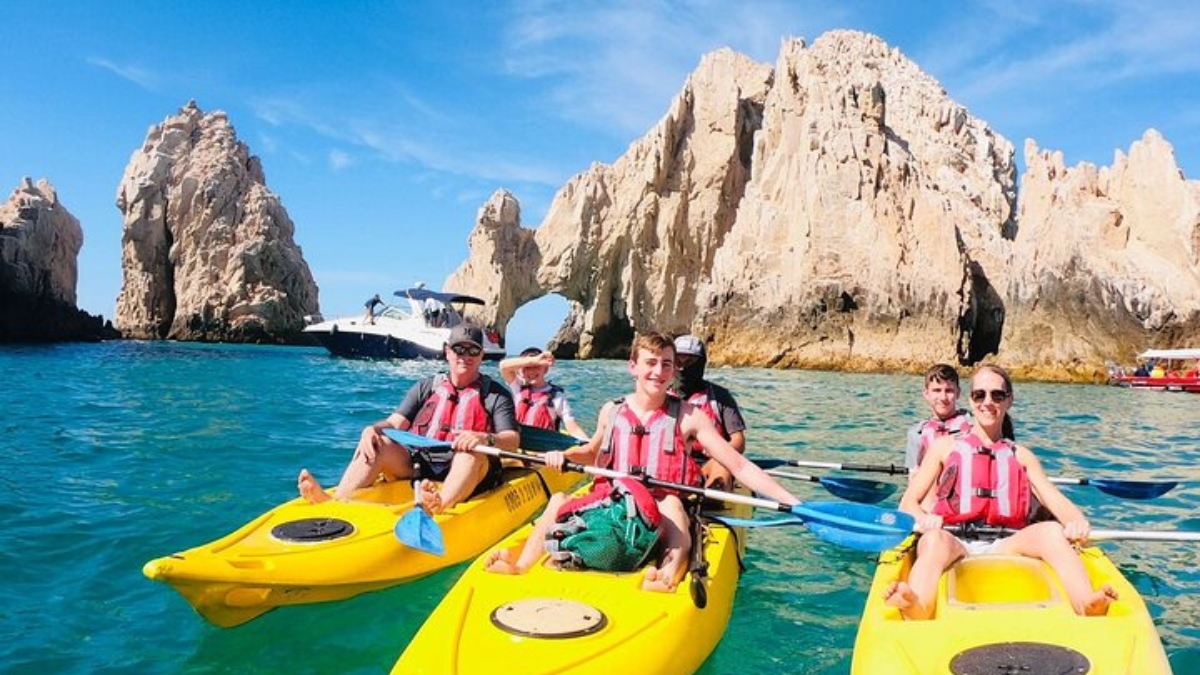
{"x":840,"y":210}
{"x":208,"y":252}
{"x":39,"y":249}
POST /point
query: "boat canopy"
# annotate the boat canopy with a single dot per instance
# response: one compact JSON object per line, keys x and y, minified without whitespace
{"x":1170,"y":354}
{"x":445,"y":298}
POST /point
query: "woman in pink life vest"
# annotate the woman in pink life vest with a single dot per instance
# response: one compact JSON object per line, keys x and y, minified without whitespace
{"x":985,"y":478}
{"x":654,"y":431}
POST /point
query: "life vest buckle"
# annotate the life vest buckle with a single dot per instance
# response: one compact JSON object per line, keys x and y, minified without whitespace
{"x":985,"y":493}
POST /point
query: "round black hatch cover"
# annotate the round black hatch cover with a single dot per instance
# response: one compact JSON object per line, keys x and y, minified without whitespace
{"x":1020,"y":658}
{"x":312,"y":530}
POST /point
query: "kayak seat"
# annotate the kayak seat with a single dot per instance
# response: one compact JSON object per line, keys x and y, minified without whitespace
{"x":992,"y":582}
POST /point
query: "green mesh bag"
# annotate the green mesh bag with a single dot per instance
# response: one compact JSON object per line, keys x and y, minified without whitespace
{"x":614,"y":528}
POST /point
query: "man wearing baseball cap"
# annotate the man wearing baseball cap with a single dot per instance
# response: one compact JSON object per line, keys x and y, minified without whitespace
{"x":716,"y":401}
{"x":462,"y":406}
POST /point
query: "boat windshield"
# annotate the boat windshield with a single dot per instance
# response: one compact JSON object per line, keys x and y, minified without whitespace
{"x":393,"y":312}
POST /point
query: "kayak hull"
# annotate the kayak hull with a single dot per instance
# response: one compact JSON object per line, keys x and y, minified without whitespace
{"x":580,"y":622}
{"x":300,"y":553}
{"x":996,"y":612}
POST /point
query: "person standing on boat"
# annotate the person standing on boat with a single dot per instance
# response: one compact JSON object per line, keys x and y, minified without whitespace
{"x":716,"y":401}
{"x":652,"y":429}
{"x":941,"y":392}
{"x":982,"y":477}
{"x":371,"y":304}
{"x":539,"y":402}
{"x":464,"y":407}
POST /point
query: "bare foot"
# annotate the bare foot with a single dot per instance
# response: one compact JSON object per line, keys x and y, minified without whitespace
{"x":1097,"y":604}
{"x":310,"y":489}
{"x":901,"y":596}
{"x":657,"y":580}
{"x":500,"y":562}
{"x":431,"y":499}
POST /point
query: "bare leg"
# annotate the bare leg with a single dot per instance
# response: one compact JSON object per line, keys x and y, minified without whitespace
{"x":467,"y":469}
{"x":916,"y":597}
{"x":501,"y":561}
{"x":1047,"y":541}
{"x":310,"y":489}
{"x":375,"y":454}
{"x":677,"y":546}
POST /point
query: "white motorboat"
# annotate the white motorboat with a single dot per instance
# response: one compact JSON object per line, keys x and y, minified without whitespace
{"x":415,"y":328}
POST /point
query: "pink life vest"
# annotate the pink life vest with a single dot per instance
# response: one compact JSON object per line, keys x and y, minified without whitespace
{"x":451,"y":409}
{"x":934,"y":428}
{"x":536,"y":408}
{"x":984,"y":484}
{"x":657,"y":449}
{"x":705,"y":401}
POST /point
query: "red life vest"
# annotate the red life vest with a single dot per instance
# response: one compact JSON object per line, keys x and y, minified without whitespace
{"x":536,"y":408}
{"x":450,"y":409}
{"x":657,"y":449}
{"x":707,"y":402}
{"x":984,"y":484}
{"x":934,"y":428}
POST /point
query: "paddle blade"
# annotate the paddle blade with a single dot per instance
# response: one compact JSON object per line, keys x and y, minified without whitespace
{"x":546,"y":440}
{"x":418,"y":530}
{"x":857,"y":489}
{"x":415,"y":440}
{"x":1132,"y":489}
{"x":857,"y":526}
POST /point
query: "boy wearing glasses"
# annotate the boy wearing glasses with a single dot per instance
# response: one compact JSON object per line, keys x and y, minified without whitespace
{"x":462,"y":406}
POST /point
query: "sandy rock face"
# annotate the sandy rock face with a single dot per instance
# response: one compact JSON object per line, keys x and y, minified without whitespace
{"x":627,"y":243}
{"x":877,"y":222}
{"x":840,"y":211}
{"x":208,"y":251}
{"x":1107,"y":260}
{"x":39,"y":249}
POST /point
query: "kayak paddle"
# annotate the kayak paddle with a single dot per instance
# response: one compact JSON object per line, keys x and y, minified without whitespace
{"x":417,"y":529}
{"x":1125,"y":489}
{"x":851,"y":489}
{"x":1097,"y":535}
{"x":857,"y":526}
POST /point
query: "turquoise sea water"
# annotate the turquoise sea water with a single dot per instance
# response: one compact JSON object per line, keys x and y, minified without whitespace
{"x":112,"y":454}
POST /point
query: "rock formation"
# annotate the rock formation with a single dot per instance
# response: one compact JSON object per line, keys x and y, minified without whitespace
{"x":39,"y":249}
{"x":840,"y":210}
{"x":208,"y":251}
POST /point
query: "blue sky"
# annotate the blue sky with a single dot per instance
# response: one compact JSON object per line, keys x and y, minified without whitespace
{"x":384,"y":126}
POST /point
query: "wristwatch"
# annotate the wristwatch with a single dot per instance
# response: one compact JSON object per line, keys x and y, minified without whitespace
{"x":491,"y":439}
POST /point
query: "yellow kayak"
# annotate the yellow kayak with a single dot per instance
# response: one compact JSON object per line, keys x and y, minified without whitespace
{"x":299,"y":553}
{"x":580,"y":622}
{"x":1001,"y":614}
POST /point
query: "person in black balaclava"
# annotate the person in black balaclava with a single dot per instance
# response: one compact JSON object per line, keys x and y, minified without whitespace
{"x":716,"y":401}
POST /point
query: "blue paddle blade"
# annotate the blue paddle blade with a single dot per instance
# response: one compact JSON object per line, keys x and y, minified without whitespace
{"x":415,"y":440}
{"x":1132,"y":489}
{"x":857,"y":526}
{"x":538,"y":439}
{"x":418,"y":530}
{"x":857,"y":489}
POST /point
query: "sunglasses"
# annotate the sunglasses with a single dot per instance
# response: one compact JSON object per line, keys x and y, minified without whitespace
{"x":466,"y":350}
{"x":998,"y":395}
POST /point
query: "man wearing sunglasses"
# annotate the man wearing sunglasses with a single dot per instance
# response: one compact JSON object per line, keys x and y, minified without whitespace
{"x":462,"y":406}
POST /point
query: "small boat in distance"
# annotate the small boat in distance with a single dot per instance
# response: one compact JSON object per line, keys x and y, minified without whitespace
{"x":415,"y":330}
{"x":1161,"y":370}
